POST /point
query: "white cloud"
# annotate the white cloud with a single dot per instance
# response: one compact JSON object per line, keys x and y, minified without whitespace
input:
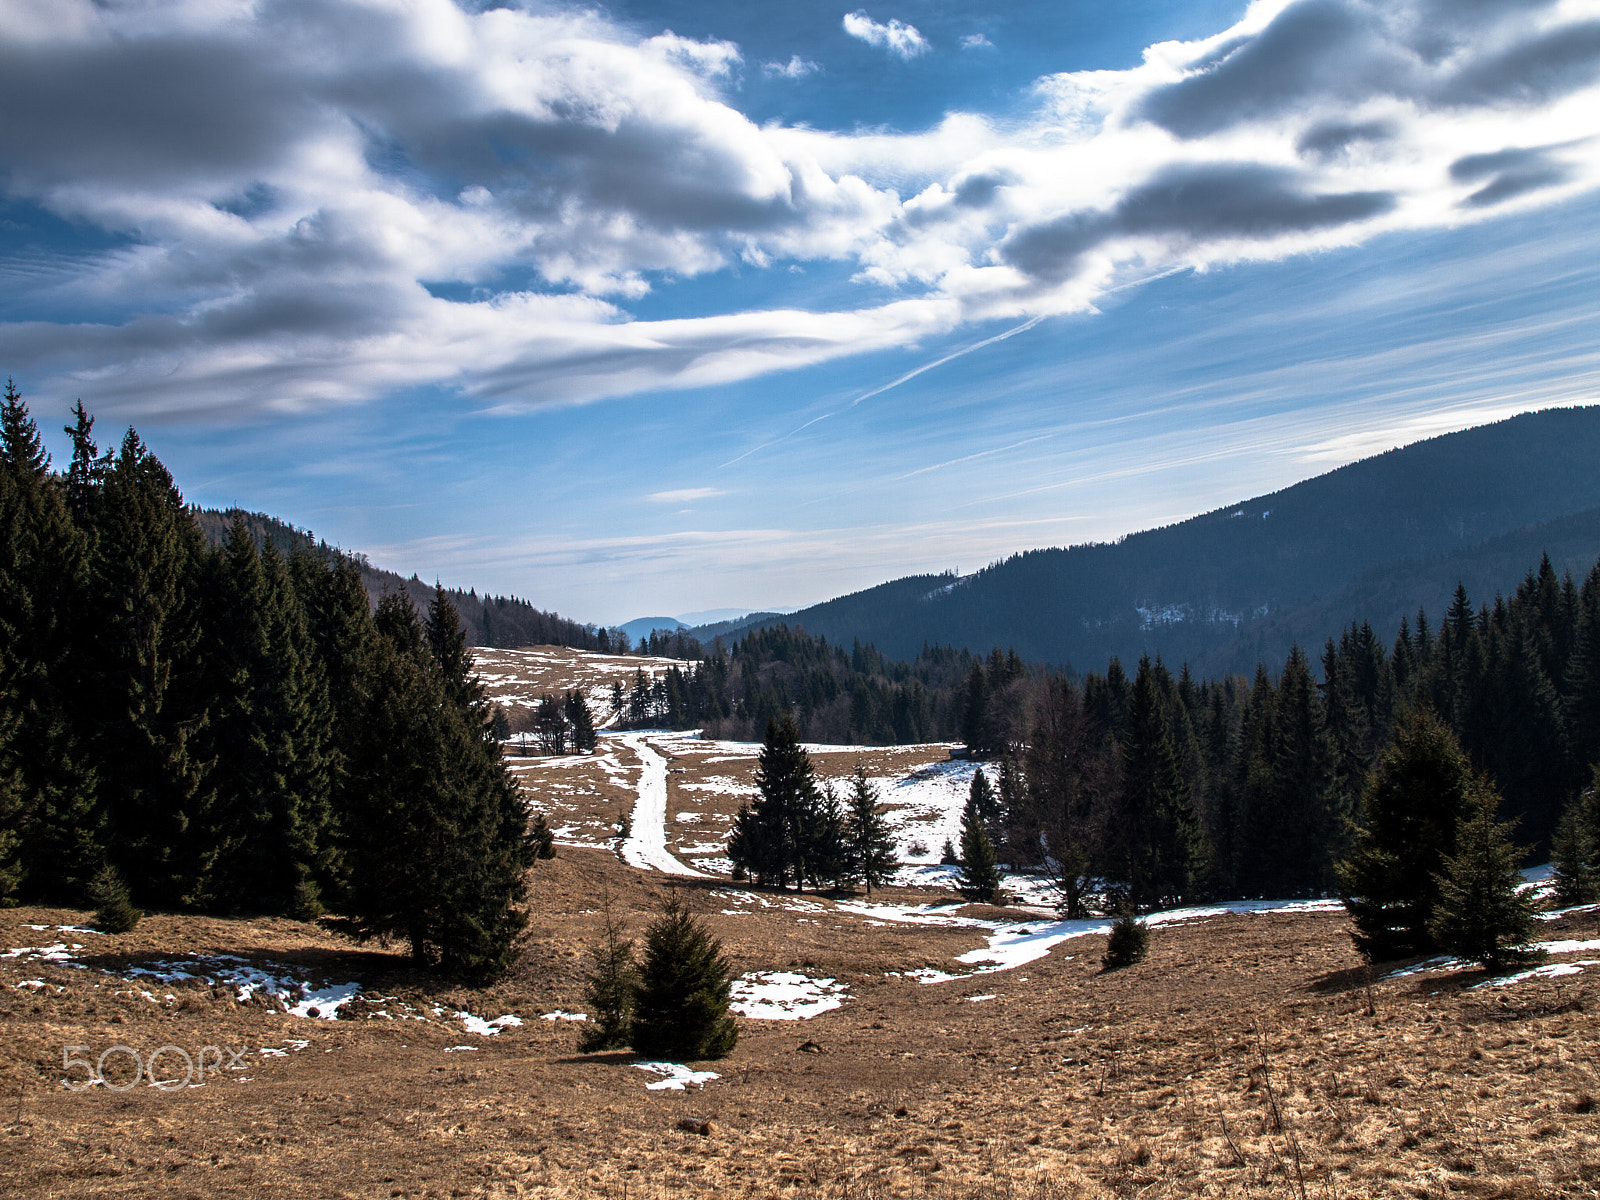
{"x":795,"y":68}
{"x":899,"y":39}
{"x":975,"y":41}
{"x":684,"y":495}
{"x":324,"y":200}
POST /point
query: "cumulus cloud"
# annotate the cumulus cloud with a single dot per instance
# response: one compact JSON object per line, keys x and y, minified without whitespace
{"x":795,"y":68}
{"x":310,"y":202}
{"x":899,"y":39}
{"x":975,"y":41}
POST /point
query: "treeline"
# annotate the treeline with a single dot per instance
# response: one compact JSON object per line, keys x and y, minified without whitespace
{"x":497,"y":621}
{"x":229,"y":729}
{"x":1174,"y":789}
{"x":847,"y":697}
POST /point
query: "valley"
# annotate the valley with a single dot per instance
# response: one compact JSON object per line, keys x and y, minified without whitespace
{"x":902,"y":1044}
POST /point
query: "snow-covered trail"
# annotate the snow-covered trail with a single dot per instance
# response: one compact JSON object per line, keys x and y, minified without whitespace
{"x":646,"y":847}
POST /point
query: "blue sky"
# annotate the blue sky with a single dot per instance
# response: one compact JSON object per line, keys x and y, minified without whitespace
{"x":674,"y":306}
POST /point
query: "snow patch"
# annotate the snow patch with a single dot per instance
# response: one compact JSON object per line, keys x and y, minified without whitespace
{"x":678,"y":1077}
{"x":1548,"y":971}
{"x":785,"y":996}
{"x":478,"y":1025}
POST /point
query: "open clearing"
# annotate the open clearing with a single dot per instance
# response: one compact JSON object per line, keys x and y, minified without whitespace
{"x":901,"y":1045}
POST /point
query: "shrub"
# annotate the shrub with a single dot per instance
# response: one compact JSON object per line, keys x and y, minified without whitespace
{"x":113,"y":907}
{"x":680,"y":1006}
{"x":1129,"y":943}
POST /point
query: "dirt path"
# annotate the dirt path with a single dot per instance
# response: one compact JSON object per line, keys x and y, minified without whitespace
{"x":646,"y":846}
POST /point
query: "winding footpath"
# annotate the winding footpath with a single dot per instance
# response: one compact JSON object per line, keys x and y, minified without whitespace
{"x":646,"y":847}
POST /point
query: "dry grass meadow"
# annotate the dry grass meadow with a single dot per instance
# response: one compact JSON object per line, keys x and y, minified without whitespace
{"x":1247,"y":1056}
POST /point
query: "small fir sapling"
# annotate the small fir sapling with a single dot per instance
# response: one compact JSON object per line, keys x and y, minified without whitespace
{"x":978,"y":875}
{"x":541,"y":837}
{"x":113,"y":907}
{"x":307,"y":901}
{"x":1480,"y":913}
{"x":1575,"y":850}
{"x":609,"y":988}
{"x":1127,"y":944}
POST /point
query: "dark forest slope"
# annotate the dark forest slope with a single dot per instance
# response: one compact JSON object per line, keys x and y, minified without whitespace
{"x":487,"y":620}
{"x":1367,"y":541}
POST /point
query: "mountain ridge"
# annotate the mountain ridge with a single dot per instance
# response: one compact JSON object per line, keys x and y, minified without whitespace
{"x":1243,"y":580}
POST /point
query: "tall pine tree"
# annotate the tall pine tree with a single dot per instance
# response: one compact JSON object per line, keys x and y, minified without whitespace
{"x":57,"y":827}
{"x":1155,"y":838}
{"x":435,"y":831}
{"x":771,"y":839}
{"x":148,"y":706}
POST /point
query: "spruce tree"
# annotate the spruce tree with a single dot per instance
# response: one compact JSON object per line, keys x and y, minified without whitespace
{"x":1127,"y":943}
{"x":541,"y":837}
{"x":1582,"y":701}
{"x":343,"y":635}
{"x":1575,"y":851}
{"x":57,"y":825}
{"x":772,"y":838}
{"x":10,"y":785}
{"x":680,"y":1008}
{"x":435,"y":830}
{"x":978,"y":726}
{"x":1017,"y":828}
{"x":871,"y":850}
{"x":269,"y":733}
{"x":827,"y":856}
{"x":148,"y":702}
{"x":1479,"y":913}
{"x":113,"y":907}
{"x":977,"y":874}
{"x":1155,"y":836}
{"x":985,"y":805}
{"x":1292,"y":822}
{"x":580,"y":721}
{"x":609,"y":988}
{"x":1411,"y":808}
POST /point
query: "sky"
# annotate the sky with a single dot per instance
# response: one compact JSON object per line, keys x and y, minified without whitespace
{"x":665,"y":306}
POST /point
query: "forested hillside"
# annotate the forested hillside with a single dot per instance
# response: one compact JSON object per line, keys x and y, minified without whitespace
{"x":228,"y":729}
{"x":501,"y":621}
{"x":1367,"y":542}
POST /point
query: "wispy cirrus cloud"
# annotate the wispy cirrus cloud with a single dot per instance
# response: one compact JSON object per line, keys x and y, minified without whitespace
{"x":684,"y":495}
{"x":315,"y":202}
